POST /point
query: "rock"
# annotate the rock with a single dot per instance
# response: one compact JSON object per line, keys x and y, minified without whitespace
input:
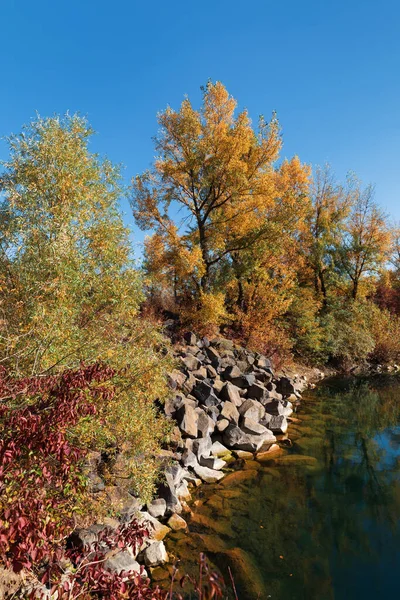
{"x":176,"y":379}
{"x":218,"y":449}
{"x":218,"y":385}
{"x":202,"y":447}
{"x":157,"y":530}
{"x":252,"y":409}
{"x":232,"y":373}
{"x":222,"y":425}
{"x":277,"y":407}
{"x":223,"y":344}
{"x":200,"y":373}
{"x":230,"y":412}
{"x":190,"y":338}
{"x":256,"y":391}
{"x":191,"y":362}
{"x":176,"y":523}
{"x":204,"y":393}
{"x":285,"y":386}
{"x":252,"y":427}
{"x":239,"y":440}
{"x":155,"y":555}
{"x":122,"y":561}
{"x":213,"y":463}
{"x":205,"y":424}
{"x":208,"y":475}
{"x":187,"y":418}
{"x":189,"y":383}
{"x":262,"y":362}
{"x":243,"y":454}
{"x":157,"y":508}
{"x":231,"y":393}
{"x":122,"y":502}
{"x":211,"y":372}
{"x":213,"y":356}
{"x":189,"y":458}
{"x":278,"y":424}
{"x":183,"y":492}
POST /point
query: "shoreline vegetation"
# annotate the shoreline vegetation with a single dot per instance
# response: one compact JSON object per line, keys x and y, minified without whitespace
{"x":109,"y":402}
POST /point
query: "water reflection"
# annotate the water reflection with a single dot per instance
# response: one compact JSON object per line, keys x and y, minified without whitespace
{"x":320,"y":521}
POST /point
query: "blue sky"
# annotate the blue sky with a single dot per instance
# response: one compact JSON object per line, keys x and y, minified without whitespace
{"x":331,"y":70}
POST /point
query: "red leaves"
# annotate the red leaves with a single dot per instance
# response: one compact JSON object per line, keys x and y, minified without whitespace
{"x":38,"y":462}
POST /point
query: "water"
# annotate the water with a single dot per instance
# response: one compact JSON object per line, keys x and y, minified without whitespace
{"x":320,"y":521}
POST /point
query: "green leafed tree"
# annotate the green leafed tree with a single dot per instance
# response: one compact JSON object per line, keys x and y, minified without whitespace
{"x":69,"y":290}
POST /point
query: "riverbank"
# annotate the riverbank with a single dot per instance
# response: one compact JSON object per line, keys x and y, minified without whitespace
{"x":227,"y":404}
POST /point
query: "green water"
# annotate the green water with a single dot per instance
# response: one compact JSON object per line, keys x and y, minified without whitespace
{"x":321,"y":520}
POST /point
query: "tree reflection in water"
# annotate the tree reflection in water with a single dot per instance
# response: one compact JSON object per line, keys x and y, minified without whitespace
{"x":320,"y":522}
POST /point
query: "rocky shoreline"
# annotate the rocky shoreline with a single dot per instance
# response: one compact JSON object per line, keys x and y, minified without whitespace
{"x":227,"y":403}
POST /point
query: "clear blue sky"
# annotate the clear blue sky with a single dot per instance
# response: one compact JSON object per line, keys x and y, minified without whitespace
{"x":331,"y":70}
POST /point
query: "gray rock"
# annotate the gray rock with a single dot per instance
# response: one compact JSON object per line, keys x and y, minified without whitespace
{"x":232,"y":373}
{"x":157,"y":508}
{"x":278,"y":424}
{"x":202,"y":447}
{"x":200,"y":373}
{"x":188,"y":418}
{"x":252,"y":427}
{"x":230,"y":412}
{"x":155,"y":554}
{"x":218,"y":385}
{"x":189,"y":459}
{"x":208,"y":475}
{"x":213,"y":463}
{"x":231,"y":393}
{"x":191,"y":362}
{"x":205,"y":424}
{"x":176,"y":379}
{"x":218,"y":449}
{"x":122,"y":562}
{"x":237,"y":439}
{"x":252,"y":409}
{"x":211,"y":372}
{"x":204,"y":393}
{"x":262,"y":362}
{"x":189,"y":383}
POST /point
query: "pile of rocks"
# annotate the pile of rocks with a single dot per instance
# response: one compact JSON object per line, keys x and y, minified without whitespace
{"x":227,"y":403}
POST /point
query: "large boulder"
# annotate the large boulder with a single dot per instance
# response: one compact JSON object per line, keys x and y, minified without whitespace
{"x":191,"y":362}
{"x":278,"y":424}
{"x":237,"y":439}
{"x":252,"y":409}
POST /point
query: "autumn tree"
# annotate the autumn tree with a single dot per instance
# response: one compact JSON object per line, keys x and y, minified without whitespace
{"x":365,"y":239}
{"x":221,"y":173}
{"x":69,"y":291}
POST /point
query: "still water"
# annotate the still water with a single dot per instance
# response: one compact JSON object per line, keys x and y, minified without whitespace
{"x":321,"y":520}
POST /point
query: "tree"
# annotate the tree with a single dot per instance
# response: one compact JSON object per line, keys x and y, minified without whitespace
{"x":363,"y":245}
{"x":331,"y":204}
{"x":69,"y":291}
{"x":214,"y":166}
{"x":220,"y":172}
